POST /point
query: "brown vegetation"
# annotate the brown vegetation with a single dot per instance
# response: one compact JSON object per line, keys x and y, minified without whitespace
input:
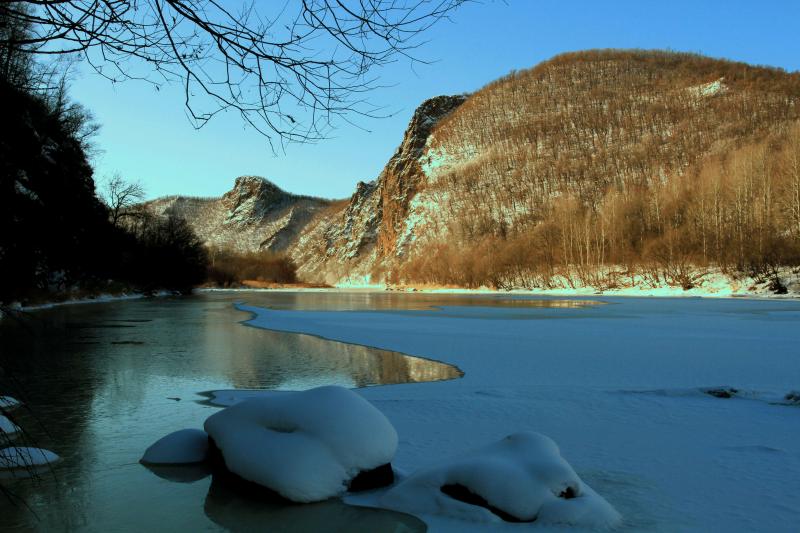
{"x":227,"y":268}
{"x":657,"y":162}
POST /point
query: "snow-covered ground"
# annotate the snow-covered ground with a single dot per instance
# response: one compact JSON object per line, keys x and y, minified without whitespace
{"x":709,"y":283}
{"x":620,"y":389}
{"x":100,"y":298}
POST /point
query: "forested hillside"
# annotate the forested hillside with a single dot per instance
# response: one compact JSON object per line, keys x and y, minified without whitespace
{"x":653,"y":161}
{"x":597,"y":169}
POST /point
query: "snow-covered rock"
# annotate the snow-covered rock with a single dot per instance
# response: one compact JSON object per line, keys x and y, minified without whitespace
{"x":792,"y":397}
{"x":8,"y":429}
{"x":8,"y":404}
{"x":181,"y":447}
{"x":522,"y":478}
{"x":25,"y":457}
{"x":306,"y":446}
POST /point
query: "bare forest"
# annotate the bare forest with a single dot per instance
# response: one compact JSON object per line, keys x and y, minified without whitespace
{"x":598,"y":166}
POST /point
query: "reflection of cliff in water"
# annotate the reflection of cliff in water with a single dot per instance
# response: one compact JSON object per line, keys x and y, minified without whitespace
{"x":334,"y":300}
{"x":102,"y":382}
{"x":260,"y":358}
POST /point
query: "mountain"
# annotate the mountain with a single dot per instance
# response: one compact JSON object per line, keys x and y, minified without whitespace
{"x":254,"y":215}
{"x":589,"y":166}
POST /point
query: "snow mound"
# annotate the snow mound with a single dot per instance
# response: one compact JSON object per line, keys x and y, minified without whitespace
{"x":8,"y":404}
{"x":181,"y":447}
{"x":8,"y":429}
{"x":24,"y":457}
{"x":306,"y":446}
{"x":522,"y":478}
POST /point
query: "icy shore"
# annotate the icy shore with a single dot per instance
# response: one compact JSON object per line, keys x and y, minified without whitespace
{"x":622,"y":388}
{"x":100,"y":298}
{"x":711,"y":283}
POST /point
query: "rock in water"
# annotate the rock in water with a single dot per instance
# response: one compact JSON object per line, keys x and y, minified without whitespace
{"x":306,"y":446}
{"x":181,"y":447}
{"x":24,"y":457}
{"x":722,"y":392}
{"x":522,"y":478}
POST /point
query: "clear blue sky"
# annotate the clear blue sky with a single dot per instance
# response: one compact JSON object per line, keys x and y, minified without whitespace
{"x":146,"y":136}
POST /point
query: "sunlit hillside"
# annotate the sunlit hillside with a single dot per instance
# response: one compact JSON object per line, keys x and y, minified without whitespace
{"x":652,"y":160}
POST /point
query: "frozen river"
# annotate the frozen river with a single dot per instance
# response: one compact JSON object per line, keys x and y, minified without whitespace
{"x":618,"y":383}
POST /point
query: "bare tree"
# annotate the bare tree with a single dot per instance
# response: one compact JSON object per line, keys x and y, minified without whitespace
{"x":121,"y":198}
{"x":287,"y":73}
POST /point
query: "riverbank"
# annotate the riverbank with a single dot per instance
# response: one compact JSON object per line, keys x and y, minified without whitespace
{"x":705,"y":284}
{"x":17,"y":307}
{"x":712,"y":283}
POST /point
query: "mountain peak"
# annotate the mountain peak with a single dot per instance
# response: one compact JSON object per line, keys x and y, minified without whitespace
{"x":254,"y":185}
{"x":251,"y":197}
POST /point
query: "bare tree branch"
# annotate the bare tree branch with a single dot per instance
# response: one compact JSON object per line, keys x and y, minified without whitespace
{"x":121,"y":198}
{"x":288,"y":76}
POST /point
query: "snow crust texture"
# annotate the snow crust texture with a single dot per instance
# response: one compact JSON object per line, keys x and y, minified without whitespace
{"x":181,"y":447}
{"x":520,"y":478}
{"x":306,"y":446}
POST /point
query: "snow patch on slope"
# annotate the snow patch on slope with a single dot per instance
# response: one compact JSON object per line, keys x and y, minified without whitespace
{"x":436,"y":161}
{"x":712,"y":88}
{"x":422,"y":210}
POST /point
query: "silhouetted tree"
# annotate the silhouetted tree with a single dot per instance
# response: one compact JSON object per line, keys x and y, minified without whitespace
{"x":121,"y":198}
{"x":287,"y":73}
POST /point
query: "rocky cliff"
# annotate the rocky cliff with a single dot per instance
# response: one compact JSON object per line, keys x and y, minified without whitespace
{"x":340,"y":242}
{"x":356,"y":245}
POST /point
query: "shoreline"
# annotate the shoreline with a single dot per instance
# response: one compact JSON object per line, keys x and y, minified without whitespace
{"x":100,"y":298}
{"x":728,"y":291}
{"x":565,"y":293}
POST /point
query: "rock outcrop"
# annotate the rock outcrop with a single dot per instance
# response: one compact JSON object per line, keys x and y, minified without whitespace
{"x":254,"y":215}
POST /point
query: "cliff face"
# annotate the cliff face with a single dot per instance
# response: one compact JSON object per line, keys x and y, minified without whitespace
{"x":344,"y":242}
{"x":510,"y":166}
{"x":403,"y":176}
{"x":357,"y":244}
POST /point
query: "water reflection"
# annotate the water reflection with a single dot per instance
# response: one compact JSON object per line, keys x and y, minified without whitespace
{"x":395,"y":301}
{"x":104,"y":381}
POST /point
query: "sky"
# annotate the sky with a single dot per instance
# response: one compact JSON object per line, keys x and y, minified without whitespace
{"x":146,"y":136}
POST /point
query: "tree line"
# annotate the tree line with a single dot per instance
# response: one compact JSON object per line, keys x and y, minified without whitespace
{"x":58,"y":237}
